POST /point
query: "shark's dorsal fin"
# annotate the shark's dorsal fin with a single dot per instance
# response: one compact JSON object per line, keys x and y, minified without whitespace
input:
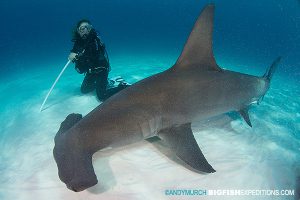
{"x":198,"y":51}
{"x":181,"y":140}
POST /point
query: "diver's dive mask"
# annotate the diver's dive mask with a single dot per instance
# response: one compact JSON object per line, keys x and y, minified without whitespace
{"x":84,"y":29}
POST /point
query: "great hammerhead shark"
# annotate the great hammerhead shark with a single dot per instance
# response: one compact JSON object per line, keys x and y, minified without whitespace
{"x":163,"y":105}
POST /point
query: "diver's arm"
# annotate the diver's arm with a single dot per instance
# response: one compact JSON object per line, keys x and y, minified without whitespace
{"x":99,"y":44}
{"x":74,"y":51}
{"x":76,"y":47}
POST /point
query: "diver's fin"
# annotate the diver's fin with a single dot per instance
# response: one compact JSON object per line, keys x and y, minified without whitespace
{"x":198,"y":51}
{"x":117,"y":81}
{"x":181,"y":140}
{"x":245,"y":115}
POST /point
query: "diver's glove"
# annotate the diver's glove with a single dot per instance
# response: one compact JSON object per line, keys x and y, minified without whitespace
{"x":73,"y":56}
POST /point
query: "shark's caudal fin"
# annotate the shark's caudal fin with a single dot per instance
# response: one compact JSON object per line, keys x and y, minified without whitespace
{"x":267,"y":76}
{"x":181,"y":140}
{"x":269,"y":73}
{"x":198,"y":51}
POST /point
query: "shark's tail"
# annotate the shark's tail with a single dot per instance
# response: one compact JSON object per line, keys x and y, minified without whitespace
{"x":269,"y":73}
{"x":267,"y":77}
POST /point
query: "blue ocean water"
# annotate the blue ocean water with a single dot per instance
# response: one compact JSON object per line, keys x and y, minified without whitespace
{"x":143,"y":38}
{"x":244,"y":31}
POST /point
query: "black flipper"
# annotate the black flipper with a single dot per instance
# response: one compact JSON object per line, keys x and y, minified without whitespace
{"x":245,"y":115}
{"x":181,"y":140}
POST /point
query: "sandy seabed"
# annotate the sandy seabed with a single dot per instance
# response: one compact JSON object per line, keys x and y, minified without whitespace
{"x":265,"y":157}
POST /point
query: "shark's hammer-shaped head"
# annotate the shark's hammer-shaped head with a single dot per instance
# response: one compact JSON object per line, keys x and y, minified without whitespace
{"x":75,"y":167}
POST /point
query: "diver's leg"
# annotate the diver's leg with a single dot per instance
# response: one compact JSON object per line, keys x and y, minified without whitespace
{"x":88,"y":84}
{"x":101,"y":85}
{"x":113,"y":90}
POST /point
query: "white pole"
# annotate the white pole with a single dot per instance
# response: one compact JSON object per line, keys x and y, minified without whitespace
{"x":62,"y":71}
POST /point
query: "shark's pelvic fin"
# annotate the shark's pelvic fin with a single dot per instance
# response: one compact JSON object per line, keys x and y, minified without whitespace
{"x":181,"y":140}
{"x":198,"y":51}
{"x":245,"y":115}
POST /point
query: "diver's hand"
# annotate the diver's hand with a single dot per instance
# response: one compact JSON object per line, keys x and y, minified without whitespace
{"x":72,"y":56}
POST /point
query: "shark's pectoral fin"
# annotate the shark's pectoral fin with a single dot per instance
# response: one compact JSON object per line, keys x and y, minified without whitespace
{"x":181,"y":140}
{"x":244,"y":113}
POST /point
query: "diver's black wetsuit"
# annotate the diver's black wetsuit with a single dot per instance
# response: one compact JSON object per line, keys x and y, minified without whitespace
{"x":92,"y":60}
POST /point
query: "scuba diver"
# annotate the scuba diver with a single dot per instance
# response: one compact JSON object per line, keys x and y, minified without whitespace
{"x":91,"y":59}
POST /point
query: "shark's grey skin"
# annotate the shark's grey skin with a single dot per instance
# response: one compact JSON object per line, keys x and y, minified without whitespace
{"x":162,"y":105}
